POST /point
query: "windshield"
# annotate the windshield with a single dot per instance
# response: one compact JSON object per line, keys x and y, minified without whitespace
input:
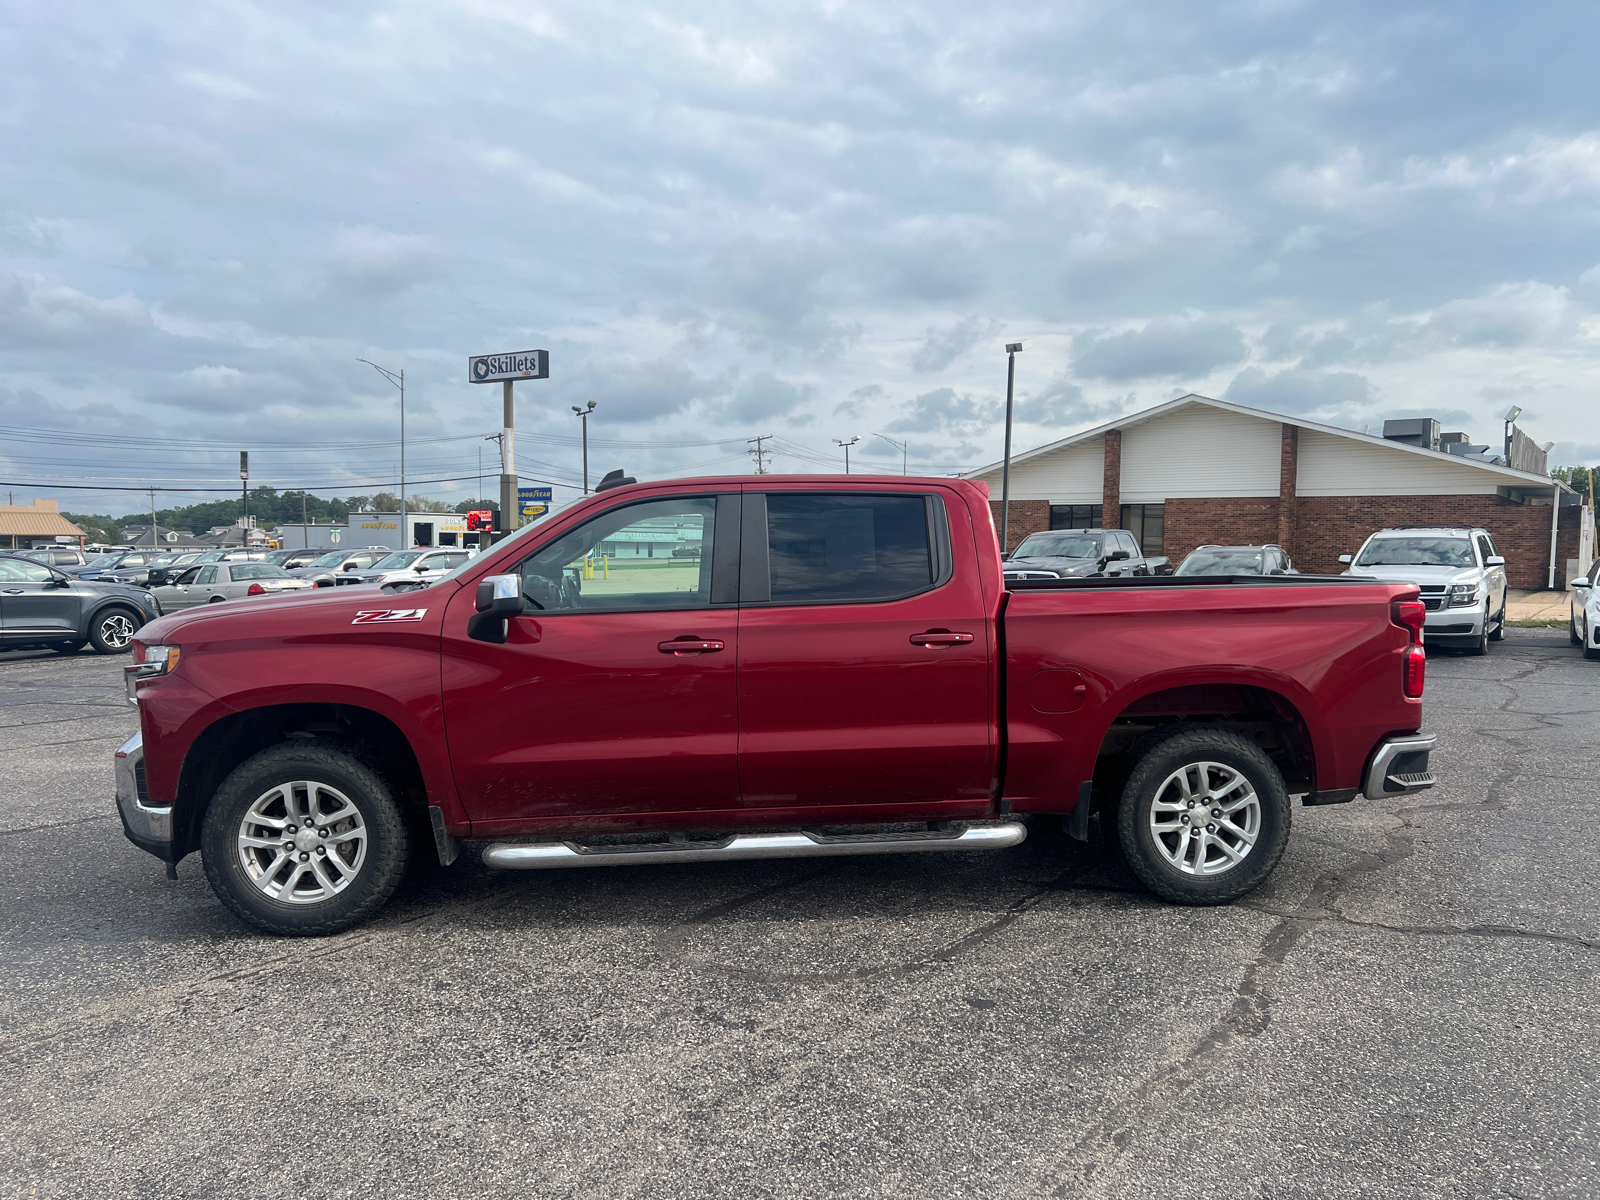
{"x":327,"y":560}
{"x":1057,"y":545}
{"x":403,"y":558}
{"x":1221,"y":562}
{"x":102,"y":560}
{"x":1417,"y":552}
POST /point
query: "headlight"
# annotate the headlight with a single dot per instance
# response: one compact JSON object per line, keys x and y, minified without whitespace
{"x":151,"y":661}
{"x":1463,"y":595}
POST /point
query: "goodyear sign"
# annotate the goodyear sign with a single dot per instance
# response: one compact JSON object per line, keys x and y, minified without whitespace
{"x":519,"y":364}
{"x":533,"y":502}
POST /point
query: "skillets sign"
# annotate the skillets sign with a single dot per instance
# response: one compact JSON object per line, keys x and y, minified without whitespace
{"x":521,"y":364}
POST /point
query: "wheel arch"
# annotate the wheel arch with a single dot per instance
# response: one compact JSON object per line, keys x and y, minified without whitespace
{"x":232,"y":739}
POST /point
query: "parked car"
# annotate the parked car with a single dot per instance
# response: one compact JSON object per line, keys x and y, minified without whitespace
{"x":289,"y":559}
{"x":1585,"y":624}
{"x":845,"y":656}
{"x":152,"y":571}
{"x":1236,"y":560}
{"x":1081,"y":554}
{"x":106,"y":564}
{"x":324,"y":569}
{"x":1461,"y":574}
{"x":41,"y":605}
{"x":234,"y":554}
{"x":56,"y":556}
{"x":212,"y":583}
{"x":410,"y":568}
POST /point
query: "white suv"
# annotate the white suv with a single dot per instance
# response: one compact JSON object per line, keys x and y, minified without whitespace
{"x":1462,"y":577}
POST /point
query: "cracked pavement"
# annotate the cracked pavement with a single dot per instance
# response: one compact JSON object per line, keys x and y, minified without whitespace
{"x":1407,"y":1009}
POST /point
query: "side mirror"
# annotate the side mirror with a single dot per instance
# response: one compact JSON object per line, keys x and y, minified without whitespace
{"x":499,"y":598}
{"x":349,"y":566}
{"x":1346,"y":558}
{"x":1119,"y":555}
{"x":1494,"y":560}
{"x":1582,"y":581}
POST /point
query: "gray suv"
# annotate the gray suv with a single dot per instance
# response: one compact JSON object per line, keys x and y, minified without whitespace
{"x":42,"y":606}
{"x":1461,"y":574}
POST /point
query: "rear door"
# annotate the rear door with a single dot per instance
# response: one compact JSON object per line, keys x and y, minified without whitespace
{"x":36,"y":600}
{"x":863,"y":652}
{"x":614,"y":691}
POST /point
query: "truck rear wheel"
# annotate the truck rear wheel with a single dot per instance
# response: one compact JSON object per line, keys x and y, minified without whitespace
{"x":1204,"y":816}
{"x":305,"y":839}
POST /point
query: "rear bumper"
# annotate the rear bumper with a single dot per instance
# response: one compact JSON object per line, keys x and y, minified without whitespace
{"x":1399,"y":767}
{"x":148,"y":826}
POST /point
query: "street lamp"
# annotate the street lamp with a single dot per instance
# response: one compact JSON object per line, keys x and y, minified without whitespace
{"x":905,"y":453}
{"x":1012,"y":350}
{"x":1512,"y":414}
{"x":846,"y":446}
{"x":584,"y":414}
{"x":400,"y":382}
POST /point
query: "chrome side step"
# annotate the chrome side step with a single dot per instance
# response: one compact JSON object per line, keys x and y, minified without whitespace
{"x":539,"y":856}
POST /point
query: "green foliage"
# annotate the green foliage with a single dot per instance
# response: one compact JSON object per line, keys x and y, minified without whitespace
{"x":1577,"y":478}
{"x":469,"y":505}
{"x":98,"y":527}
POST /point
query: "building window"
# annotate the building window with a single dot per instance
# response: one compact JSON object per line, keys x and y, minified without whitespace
{"x":1075,"y":516}
{"x":1148,"y":524}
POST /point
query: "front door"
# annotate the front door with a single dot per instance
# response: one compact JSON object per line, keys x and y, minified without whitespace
{"x":35,"y":599}
{"x":614,"y":691}
{"x":863,"y":654}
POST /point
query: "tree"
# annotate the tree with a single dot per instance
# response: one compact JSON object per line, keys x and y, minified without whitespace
{"x":1577,"y":478}
{"x":98,"y":528}
{"x":470,"y":505}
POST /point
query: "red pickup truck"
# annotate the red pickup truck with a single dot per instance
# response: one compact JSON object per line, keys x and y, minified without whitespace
{"x":712,"y":669}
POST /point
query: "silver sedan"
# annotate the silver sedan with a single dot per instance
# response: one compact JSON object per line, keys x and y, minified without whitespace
{"x":212,"y":583}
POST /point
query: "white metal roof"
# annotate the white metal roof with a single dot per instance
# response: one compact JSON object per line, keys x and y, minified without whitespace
{"x":1520,"y":478}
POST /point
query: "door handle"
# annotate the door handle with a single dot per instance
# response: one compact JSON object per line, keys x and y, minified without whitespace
{"x":687,"y":644}
{"x":940,"y":637}
{"x":13,"y":591}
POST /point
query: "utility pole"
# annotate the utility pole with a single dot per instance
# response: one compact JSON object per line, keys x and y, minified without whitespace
{"x":759,"y":452}
{"x":305,"y":537}
{"x":399,"y":381}
{"x":583,"y":414}
{"x":903,"y":447}
{"x":152,"y":516}
{"x":847,"y":446}
{"x":244,"y":497}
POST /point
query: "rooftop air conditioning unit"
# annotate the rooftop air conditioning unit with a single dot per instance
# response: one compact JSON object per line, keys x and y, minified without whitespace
{"x":1416,"y":431}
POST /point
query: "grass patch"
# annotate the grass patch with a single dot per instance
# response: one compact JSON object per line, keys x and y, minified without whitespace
{"x":1538,"y":623}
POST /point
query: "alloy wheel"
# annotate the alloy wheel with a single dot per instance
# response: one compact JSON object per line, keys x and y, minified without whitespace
{"x":117,"y":631}
{"x":302,"y":842}
{"x":1205,"y":818}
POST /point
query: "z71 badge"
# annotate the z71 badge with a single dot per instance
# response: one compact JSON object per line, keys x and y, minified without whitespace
{"x":386,"y":616}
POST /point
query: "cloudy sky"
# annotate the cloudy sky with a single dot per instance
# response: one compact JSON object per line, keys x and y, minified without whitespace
{"x":810,"y":220}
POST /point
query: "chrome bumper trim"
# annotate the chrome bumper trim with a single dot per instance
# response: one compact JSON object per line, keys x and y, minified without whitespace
{"x":1383,"y":781}
{"x":545,"y":855}
{"x":144,"y":822}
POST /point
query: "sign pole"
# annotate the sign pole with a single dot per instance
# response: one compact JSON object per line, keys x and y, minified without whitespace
{"x":508,"y":463}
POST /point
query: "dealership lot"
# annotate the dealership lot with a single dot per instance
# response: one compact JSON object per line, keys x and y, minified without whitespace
{"x":1406,"y":1009}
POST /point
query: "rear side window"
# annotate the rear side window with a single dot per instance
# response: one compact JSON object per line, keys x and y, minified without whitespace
{"x":835,"y":549}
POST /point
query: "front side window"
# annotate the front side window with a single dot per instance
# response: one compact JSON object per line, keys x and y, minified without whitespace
{"x":1485,"y":548}
{"x":16,"y":570}
{"x":1417,"y":552}
{"x":626,"y":560}
{"x":206,"y":575}
{"x":832,"y":549}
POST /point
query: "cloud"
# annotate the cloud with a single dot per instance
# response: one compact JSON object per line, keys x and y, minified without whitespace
{"x":1295,"y":392}
{"x":1161,"y":350}
{"x":943,"y":346}
{"x":1506,"y":316}
{"x":27,"y":235}
{"x":34,"y":312}
{"x":763,"y":397}
{"x":946,"y":410}
{"x":1063,"y":403}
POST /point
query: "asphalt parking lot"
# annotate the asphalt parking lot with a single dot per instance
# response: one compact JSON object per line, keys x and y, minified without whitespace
{"x":1408,"y":1009}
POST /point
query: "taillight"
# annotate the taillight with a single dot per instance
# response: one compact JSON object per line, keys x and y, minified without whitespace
{"x":1416,"y":668}
{"x":1410,"y":614}
{"x":256,"y":590}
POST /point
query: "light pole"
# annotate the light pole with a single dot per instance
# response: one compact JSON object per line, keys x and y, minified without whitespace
{"x":400,"y":382}
{"x":583,"y":413}
{"x":1012,"y":350}
{"x":846,"y":446}
{"x":903,"y":447}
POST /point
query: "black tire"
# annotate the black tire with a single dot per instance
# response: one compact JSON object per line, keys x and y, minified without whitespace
{"x":111,"y":630}
{"x":71,"y":647}
{"x":375,"y":874}
{"x":1480,"y":647}
{"x":1572,"y":632}
{"x":1159,"y":759}
{"x":1499,"y":632}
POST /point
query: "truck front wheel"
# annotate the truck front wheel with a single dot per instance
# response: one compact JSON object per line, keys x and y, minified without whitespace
{"x":304,"y":839}
{"x":1204,"y":816}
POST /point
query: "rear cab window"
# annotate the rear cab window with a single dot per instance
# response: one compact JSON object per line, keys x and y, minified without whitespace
{"x":843,"y":548}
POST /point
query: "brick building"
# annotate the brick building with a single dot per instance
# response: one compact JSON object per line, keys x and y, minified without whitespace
{"x":1196,"y":471}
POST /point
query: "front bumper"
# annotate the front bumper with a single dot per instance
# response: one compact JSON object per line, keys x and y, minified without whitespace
{"x":1446,"y":624}
{"x":148,"y":826}
{"x":1399,"y":767}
